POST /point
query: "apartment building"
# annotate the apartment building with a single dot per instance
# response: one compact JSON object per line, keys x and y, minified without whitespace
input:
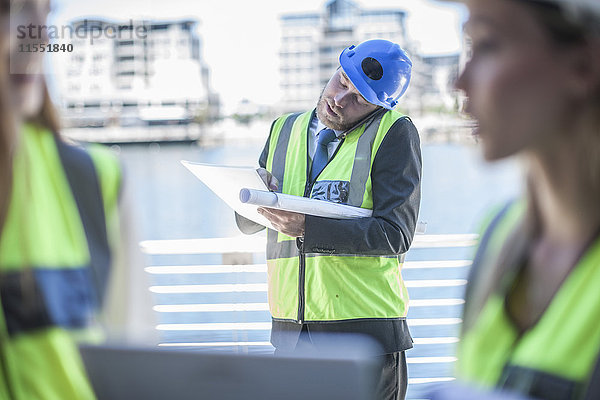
{"x":135,"y":72}
{"x":311,"y":44}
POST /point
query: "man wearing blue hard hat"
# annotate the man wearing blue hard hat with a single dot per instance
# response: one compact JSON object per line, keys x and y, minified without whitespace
{"x":343,"y":275}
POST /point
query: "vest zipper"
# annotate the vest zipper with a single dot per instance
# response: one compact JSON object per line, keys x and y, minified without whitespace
{"x":307,"y":190}
{"x":302,"y":258}
{"x":301,"y":287}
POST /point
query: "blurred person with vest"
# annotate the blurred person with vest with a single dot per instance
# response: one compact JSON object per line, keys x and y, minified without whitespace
{"x":532,"y":302}
{"x":344,"y":276}
{"x":66,"y":261}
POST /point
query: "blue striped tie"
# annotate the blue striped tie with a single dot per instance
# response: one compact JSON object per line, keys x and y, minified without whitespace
{"x":321,"y":156}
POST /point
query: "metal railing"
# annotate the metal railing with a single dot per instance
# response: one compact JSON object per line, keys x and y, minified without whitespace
{"x":224,"y":306}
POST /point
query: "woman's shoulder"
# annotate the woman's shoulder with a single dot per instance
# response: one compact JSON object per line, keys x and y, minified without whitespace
{"x":95,"y":161}
{"x":108,"y":169}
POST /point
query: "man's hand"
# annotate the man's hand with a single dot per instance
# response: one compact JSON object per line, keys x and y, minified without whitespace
{"x":287,"y":222}
{"x":268,"y":179}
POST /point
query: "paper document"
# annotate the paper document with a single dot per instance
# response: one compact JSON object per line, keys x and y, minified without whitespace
{"x":242,"y":189}
{"x":226,"y":182}
{"x":302,"y":205}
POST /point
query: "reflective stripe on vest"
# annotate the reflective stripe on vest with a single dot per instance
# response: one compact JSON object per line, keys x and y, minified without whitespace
{"x":560,"y":351}
{"x":340,"y":287}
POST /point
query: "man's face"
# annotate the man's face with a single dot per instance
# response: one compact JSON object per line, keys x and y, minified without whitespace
{"x":341,"y":105}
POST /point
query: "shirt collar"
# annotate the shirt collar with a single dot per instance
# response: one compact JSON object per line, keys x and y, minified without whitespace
{"x":321,"y":126}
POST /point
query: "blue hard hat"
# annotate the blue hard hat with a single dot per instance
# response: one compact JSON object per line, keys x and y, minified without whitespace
{"x":379,"y":69}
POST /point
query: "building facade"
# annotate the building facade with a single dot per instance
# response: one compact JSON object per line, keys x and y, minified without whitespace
{"x":311,"y":44}
{"x":135,"y":73}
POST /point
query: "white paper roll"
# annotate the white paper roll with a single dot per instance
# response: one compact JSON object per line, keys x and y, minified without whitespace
{"x":258,"y":197}
{"x":302,"y":205}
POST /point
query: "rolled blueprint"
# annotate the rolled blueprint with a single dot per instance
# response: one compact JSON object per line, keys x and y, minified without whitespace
{"x":303,"y":205}
{"x":258,"y":197}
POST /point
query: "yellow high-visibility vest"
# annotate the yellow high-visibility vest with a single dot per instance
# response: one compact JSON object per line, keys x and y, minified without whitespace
{"x":558,"y":353}
{"x":54,"y":261}
{"x":317,"y":287}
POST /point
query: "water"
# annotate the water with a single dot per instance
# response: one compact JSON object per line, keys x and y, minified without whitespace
{"x":458,"y":190}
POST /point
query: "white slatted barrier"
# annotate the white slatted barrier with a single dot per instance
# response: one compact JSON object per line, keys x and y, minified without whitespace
{"x":259,"y":322}
{"x":257,"y":243}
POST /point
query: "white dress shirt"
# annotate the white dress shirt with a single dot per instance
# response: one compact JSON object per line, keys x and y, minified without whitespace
{"x":314,"y":128}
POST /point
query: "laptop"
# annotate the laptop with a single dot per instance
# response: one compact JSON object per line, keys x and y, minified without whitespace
{"x":347,"y":370}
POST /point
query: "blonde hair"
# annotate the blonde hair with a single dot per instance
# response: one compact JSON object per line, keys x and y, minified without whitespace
{"x":46,"y":118}
{"x":7,"y":141}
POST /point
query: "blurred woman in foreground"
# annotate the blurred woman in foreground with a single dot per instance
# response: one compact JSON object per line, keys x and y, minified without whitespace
{"x":61,"y":237}
{"x":533,"y":301}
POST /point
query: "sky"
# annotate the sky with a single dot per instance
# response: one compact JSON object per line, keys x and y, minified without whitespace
{"x":241,"y":37}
